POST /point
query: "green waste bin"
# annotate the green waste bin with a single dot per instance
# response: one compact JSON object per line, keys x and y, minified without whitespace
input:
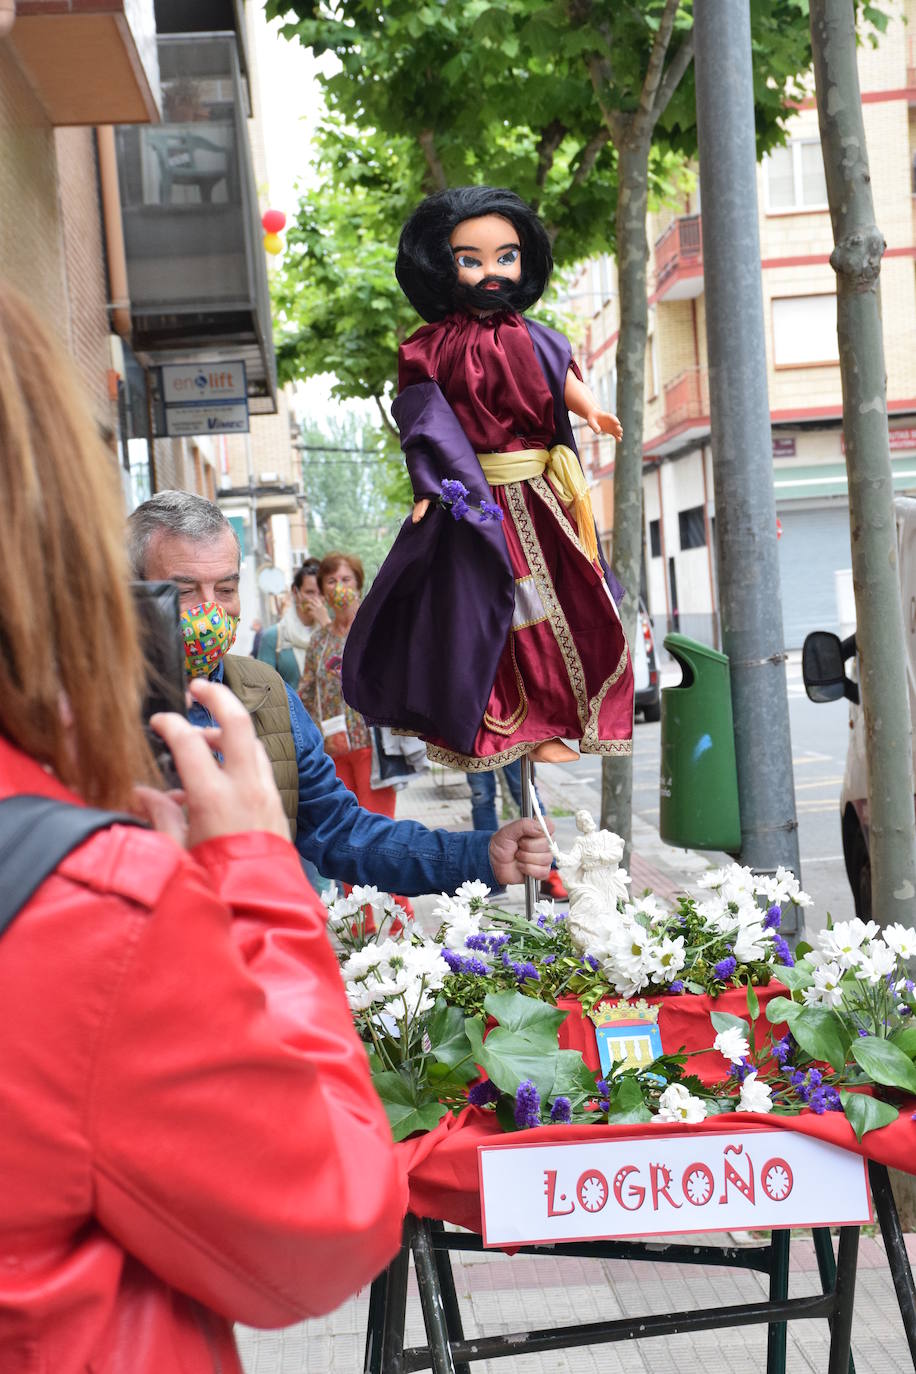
{"x":698,"y":784}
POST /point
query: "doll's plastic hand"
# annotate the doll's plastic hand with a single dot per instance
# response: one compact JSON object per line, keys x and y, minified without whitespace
{"x":419,"y":510}
{"x":519,"y":849}
{"x":603,"y":422}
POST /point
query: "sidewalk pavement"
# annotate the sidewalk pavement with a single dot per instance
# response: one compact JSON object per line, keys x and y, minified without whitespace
{"x":498,"y":1294}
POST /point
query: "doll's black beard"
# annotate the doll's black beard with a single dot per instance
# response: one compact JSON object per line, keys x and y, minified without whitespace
{"x":507,"y":295}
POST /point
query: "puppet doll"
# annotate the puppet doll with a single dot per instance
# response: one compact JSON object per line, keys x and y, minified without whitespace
{"x":491,"y":639}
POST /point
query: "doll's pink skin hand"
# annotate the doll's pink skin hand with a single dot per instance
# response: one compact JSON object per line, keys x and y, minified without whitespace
{"x":602,"y":422}
{"x":419,"y":510}
{"x":519,"y":849}
{"x":581,"y":402}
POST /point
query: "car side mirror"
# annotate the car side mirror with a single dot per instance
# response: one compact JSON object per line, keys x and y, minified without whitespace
{"x":824,"y":657}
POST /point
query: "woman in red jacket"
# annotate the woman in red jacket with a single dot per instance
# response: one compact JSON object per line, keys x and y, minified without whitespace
{"x":188,"y":1134}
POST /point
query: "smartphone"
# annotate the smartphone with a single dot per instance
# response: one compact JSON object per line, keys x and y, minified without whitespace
{"x":158,"y":616}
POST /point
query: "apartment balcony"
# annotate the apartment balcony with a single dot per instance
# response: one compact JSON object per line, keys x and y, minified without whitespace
{"x":89,"y":61}
{"x":679,"y":260}
{"x":196,"y":276}
{"x":686,"y":412}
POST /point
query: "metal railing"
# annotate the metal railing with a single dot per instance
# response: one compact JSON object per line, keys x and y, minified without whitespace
{"x":679,"y":245}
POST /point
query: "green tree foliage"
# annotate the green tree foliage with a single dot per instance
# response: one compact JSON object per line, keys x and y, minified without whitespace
{"x":357,"y":495}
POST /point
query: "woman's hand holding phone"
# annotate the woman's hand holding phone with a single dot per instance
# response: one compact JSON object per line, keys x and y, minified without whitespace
{"x":217,"y":799}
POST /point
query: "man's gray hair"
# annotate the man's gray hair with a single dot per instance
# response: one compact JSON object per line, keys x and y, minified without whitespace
{"x":173,"y":512}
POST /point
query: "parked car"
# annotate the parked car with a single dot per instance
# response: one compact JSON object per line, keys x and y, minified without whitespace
{"x":824,"y":658}
{"x":645,"y":667}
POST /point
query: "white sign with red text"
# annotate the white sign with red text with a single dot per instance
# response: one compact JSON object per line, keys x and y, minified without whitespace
{"x":668,"y":1185}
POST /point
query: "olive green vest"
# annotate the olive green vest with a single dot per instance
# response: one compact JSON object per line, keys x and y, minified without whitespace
{"x":262,"y":692}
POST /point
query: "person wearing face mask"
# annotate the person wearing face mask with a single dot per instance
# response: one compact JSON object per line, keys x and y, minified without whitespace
{"x":346,"y":735}
{"x":283,"y":646}
{"x":181,"y":537}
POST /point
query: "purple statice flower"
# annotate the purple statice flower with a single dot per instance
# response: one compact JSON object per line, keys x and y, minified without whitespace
{"x":800,"y":1084}
{"x":490,"y":511}
{"x":459,"y":509}
{"x":783,"y":953}
{"x":909,"y":985}
{"x":549,"y":959}
{"x":527,"y":1105}
{"x":452,"y":489}
{"x":541,"y":922}
{"x":477,"y":942}
{"x":459,"y":964}
{"x":676,"y":986}
{"x":783,"y":1049}
{"x":526,"y":970}
{"x":604,"y":1093}
{"x":772,"y":919}
{"x":592,"y":963}
{"x":815,"y":1078}
{"x":861,"y":1031}
{"x":504,"y":957}
{"x":818,"y":1101}
{"x":496,"y":942}
{"x":725,"y":968}
{"x":832,"y":1099}
{"x":483,"y":1093}
{"x":740,"y":1071}
{"x":561,"y":1111}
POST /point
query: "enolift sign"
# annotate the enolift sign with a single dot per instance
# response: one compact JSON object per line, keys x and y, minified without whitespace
{"x":205,"y":398}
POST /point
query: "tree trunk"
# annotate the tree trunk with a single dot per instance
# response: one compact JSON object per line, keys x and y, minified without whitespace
{"x":632,"y":256}
{"x":856,"y":259}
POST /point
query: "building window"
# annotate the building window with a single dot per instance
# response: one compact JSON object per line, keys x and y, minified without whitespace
{"x":692,"y":528}
{"x":795,"y":177}
{"x":655,"y":538}
{"x":804,"y":331}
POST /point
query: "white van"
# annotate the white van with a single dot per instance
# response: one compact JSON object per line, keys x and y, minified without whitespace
{"x":823,"y":668}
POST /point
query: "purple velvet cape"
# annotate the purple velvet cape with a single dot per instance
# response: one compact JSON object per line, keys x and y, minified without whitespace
{"x":423,"y":650}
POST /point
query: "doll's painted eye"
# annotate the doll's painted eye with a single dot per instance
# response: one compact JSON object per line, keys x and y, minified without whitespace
{"x":508,"y":258}
{"x":465,"y":260}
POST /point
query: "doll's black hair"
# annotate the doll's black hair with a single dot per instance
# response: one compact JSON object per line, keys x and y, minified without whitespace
{"x":425,"y":266}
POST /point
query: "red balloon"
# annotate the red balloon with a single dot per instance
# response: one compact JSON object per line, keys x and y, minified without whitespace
{"x":273,"y":221}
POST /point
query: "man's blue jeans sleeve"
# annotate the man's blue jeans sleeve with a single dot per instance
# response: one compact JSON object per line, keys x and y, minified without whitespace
{"x":356,"y":846}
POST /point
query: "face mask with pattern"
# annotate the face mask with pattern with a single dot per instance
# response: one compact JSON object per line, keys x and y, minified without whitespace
{"x":208,"y":631}
{"x":340,"y":597}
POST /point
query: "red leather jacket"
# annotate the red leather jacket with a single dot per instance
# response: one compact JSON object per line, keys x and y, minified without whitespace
{"x":188,"y":1135}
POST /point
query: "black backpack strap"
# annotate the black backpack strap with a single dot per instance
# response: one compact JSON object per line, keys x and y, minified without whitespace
{"x":35,"y":834}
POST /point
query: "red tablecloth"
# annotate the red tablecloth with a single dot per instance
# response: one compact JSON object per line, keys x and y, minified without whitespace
{"x":442,"y":1165}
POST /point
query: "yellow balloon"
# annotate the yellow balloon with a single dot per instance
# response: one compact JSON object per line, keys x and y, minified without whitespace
{"x":273,"y":243}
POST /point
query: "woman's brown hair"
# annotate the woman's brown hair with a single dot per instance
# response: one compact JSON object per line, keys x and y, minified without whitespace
{"x":71,"y":670}
{"x":332,"y":561}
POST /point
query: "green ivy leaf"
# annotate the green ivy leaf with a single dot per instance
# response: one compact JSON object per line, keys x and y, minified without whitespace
{"x":405,"y":1111}
{"x":885,"y":1062}
{"x":753,"y":1002}
{"x":509,"y":1057}
{"x":865,"y":1113}
{"x":819,"y":1032}
{"x":449,"y":1038}
{"x":516,"y":1012}
{"x":573,"y":1077}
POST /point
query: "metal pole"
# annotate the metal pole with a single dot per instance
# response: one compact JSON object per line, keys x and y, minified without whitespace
{"x":751,"y":612}
{"x":531,"y":884}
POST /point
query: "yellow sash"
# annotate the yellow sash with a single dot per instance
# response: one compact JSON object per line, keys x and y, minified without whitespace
{"x":565,"y":473}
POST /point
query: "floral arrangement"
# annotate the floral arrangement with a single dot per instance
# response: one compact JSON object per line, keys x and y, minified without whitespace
{"x":470,"y":1017}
